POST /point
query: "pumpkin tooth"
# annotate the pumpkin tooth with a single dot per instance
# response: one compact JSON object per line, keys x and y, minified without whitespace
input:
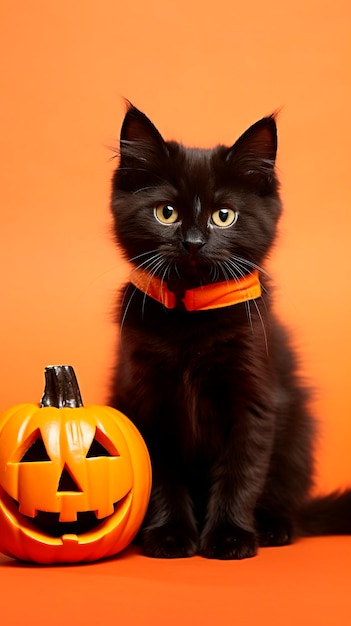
{"x":72,"y":517}
{"x":28,"y":511}
{"x":105,"y":511}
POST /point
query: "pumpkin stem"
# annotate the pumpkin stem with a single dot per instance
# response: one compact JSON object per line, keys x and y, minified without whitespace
{"x":61,"y":388}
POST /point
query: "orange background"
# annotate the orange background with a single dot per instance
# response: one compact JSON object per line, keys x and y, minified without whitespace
{"x":203,"y":72}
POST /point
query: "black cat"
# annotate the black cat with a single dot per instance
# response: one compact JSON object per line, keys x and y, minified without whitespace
{"x":204,"y":369}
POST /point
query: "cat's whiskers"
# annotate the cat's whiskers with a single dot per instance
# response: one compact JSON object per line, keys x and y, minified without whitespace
{"x":236,"y":268}
{"x":246,"y":266}
{"x":153,"y":264}
{"x":214,"y":273}
{"x":138,"y":256}
{"x":152,"y":269}
{"x":133,"y":270}
{"x":150,"y":265}
{"x":259,"y":268}
{"x":246,"y":262}
{"x":225,"y":274}
{"x":166,"y":271}
{"x":232,"y":268}
{"x":249,"y":316}
{"x":249,"y":265}
{"x":126,"y":310}
{"x":262,"y":324}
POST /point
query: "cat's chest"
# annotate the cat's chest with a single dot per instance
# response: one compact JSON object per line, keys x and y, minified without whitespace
{"x":202,"y":361}
{"x":192,"y":331}
{"x":191,"y":349}
{"x":194,"y":371}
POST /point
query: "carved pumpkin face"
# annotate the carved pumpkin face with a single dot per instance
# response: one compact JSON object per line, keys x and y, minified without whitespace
{"x":74,"y":482}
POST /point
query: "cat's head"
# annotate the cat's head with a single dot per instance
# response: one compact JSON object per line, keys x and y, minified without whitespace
{"x":195,"y":215}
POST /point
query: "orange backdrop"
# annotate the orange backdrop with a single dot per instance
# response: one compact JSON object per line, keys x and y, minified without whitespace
{"x":203,"y":72}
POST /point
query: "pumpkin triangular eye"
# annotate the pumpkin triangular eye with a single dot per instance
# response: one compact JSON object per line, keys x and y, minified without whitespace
{"x":101,"y":446}
{"x":36,"y":451}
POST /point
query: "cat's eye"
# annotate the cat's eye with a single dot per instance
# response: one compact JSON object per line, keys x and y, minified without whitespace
{"x":166,"y":213}
{"x":224,"y":217}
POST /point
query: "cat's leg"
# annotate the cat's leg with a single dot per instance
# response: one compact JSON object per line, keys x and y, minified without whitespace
{"x":287,"y":486}
{"x":290,"y":474}
{"x":237,"y":480}
{"x":275,"y":511}
{"x":169,"y":529}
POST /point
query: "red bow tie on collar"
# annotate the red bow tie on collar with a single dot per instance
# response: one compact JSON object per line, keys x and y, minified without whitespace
{"x":213,"y":296}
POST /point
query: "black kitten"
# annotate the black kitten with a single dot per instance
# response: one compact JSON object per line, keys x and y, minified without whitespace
{"x":208,"y":378}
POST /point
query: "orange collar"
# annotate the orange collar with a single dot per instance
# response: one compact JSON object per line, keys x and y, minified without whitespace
{"x":213,"y":296}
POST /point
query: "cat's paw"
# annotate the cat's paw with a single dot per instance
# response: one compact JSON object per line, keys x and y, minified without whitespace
{"x":275,"y":532}
{"x":169,"y":542}
{"x":228,"y":541}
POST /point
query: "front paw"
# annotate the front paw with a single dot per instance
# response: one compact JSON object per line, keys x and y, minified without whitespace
{"x":169,"y":541}
{"x":228,"y":541}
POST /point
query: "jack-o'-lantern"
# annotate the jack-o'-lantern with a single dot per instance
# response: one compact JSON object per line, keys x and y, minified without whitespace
{"x":74,"y":480}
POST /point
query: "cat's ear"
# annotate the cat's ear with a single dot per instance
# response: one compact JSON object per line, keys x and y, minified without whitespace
{"x":139,"y":137}
{"x":254,"y":153}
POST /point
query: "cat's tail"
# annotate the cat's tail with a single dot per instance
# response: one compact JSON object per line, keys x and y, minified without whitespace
{"x":326,"y":515}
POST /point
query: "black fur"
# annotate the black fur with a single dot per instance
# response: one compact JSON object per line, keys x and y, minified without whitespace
{"x":215,"y":393}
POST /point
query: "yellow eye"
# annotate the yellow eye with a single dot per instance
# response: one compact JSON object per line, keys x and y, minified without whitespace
{"x":224,"y":217}
{"x":166,"y":213}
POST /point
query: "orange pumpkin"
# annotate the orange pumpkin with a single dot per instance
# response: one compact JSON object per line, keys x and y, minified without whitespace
{"x":74,"y":480}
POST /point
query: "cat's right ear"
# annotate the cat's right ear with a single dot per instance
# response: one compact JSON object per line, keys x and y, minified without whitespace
{"x":140,"y":139}
{"x":253,"y":154}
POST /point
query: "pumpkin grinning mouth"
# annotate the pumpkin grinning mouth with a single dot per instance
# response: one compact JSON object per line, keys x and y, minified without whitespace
{"x":49,"y":524}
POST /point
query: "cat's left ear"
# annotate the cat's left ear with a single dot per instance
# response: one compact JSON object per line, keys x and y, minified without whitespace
{"x":254,"y":153}
{"x":139,"y":137}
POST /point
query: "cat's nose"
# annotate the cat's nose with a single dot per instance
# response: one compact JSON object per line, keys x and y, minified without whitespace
{"x":193,"y":241}
{"x":193,"y":246}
